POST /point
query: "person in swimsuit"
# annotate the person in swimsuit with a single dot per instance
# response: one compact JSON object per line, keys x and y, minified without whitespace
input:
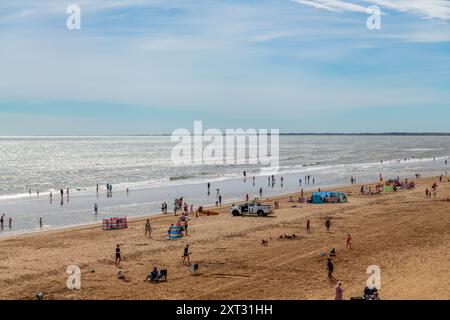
{"x":148,"y":228}
{"x":186,"y":254}
{"x":349,"y":241}
{"x":118,"y":256}
{"x":186,"y":227}
{"x":330,"y":269}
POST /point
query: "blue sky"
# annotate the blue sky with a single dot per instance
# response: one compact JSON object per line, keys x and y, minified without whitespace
{"x":139,"y":67}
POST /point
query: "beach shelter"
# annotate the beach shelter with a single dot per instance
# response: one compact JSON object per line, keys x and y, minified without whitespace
{"x":319,"y":197}
{"x":175,"y":232}
{"x":114,"y":223}
{"x":328,"y":197}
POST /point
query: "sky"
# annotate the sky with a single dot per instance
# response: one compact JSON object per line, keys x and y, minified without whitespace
{"x":149,"y":67}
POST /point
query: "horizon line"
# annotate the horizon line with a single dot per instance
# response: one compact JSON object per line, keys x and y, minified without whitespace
{"x":281,"y":134}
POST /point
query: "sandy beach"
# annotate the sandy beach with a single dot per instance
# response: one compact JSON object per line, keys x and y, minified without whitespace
{"x":403,"y":232}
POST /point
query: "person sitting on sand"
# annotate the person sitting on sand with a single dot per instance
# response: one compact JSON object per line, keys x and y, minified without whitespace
{"x":152,"y":275}
{"x":328,"y":223}
{"x":121,"y":275}
{"x":332,"y":252}
{"x":291,"y":199}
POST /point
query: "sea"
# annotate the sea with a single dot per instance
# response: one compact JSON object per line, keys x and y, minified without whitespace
{"x":143,"y":165}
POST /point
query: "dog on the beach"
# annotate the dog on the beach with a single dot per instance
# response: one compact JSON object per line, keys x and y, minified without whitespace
{"x":264,"y":243}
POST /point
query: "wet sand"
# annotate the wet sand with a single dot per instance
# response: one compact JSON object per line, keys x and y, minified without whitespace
{"x":404,"y":233}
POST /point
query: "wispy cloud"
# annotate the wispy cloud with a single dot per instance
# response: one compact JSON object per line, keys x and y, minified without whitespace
{"x":333,"y":5}
{"x":430,"y":9}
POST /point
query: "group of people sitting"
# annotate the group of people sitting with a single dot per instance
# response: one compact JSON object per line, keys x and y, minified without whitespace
{"x":287,"y":236}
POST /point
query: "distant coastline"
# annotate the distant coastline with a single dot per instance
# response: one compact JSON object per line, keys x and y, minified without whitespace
{"x":431,"y":134}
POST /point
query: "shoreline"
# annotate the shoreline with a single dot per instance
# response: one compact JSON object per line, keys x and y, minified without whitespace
{"x":139,"y":218}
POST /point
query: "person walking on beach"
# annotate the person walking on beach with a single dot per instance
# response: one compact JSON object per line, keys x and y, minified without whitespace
{"x":209,"y":188}
{"x":308,"y":226}
{"x":51,"y":197}
{"x":2,"y":220}
{"x":330,"y":268}
{"x":118,"y":259}
{"x":10,"y":223}
{"x":95,"y":208}
{"x":186,"y":228}
{"x":349,"y":241}
{"x":339,"y":291}
{"x":148,"y":228}
{"x":260,"y":192}
{"x":328,"y":224}
{"x":186,"y":254}
{"x":40,"y":222}
{"x":253,"y":180}
{"x":220,"y":200}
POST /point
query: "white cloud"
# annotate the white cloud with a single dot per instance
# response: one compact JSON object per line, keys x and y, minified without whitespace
{"x":315,"y":5}
{"x":333,"y":5}
{"x":430,"y":9}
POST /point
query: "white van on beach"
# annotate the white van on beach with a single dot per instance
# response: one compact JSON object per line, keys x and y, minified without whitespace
{"x":251,"y":208}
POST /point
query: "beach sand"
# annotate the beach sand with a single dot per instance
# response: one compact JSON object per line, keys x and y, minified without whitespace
{"x":403,"y":233}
